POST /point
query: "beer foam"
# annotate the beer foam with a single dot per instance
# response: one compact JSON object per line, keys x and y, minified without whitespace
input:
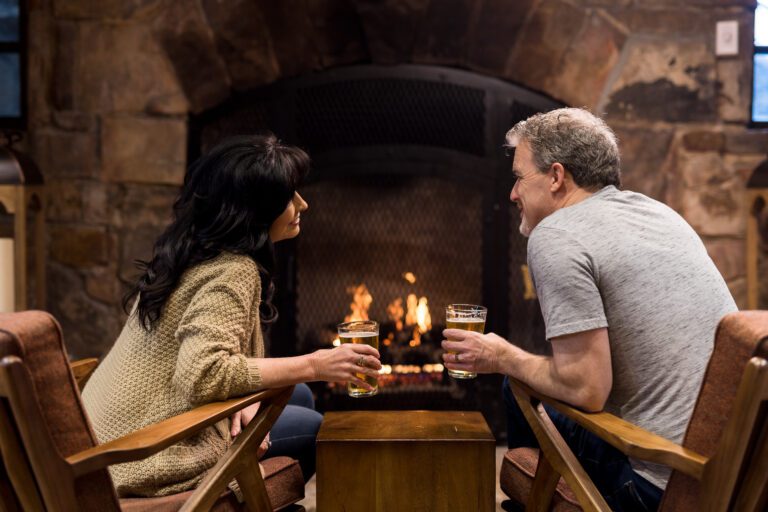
{"x":366,"y":334}
{"x":466,"y":320}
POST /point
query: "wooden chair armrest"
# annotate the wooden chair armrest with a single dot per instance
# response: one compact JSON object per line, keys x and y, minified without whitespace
{"x":82,"y":369}
{"x":153,"y":438}
{"x":630,"y":439}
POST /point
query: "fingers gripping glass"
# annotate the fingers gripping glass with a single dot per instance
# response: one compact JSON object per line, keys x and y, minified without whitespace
{"x":468,"y":317}
{"x":364,"y":332}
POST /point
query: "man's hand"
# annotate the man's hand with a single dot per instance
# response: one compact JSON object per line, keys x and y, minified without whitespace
{"x":473,"y":352}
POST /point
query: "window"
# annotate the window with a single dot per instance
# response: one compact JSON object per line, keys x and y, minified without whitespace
{"x":760,"y":73}
{"x":12,"y":65}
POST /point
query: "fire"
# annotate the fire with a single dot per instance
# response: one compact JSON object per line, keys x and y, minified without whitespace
{"x":423,"y":318}
{"x":395,"y":313}
{"x":361,"y":303}
{"x":414,"y":316}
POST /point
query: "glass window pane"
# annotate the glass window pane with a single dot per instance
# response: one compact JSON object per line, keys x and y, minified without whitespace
{"x":10,"y":85}
{"x":9,"y":21}
{"x":760,"y":89}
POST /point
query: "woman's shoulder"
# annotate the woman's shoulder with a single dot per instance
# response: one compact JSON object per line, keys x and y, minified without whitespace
{"x":226,"y":267}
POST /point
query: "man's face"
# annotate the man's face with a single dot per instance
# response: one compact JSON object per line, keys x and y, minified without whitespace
{"x":531,"y":191}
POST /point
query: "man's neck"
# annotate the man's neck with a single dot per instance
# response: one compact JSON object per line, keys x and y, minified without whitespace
{"x":574,"y":195}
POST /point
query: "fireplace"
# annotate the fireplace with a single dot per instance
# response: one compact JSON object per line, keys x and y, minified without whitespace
{"x":409,"y":211}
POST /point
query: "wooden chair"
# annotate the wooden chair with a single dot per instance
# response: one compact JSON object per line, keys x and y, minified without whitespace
{"x":52,"y":460}
{"x":722,"y":463}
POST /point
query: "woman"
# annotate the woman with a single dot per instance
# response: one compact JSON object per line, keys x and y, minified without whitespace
{"x":194,"y":334}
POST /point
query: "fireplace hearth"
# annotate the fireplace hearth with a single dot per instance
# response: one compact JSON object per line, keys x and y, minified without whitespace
{"x":409,"y":212}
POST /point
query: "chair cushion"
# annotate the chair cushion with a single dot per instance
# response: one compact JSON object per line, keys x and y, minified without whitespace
{"x":736,"y":340}
{"x":35,"y":337}
{"x":516,"y":479}
{"x":282,"y":476}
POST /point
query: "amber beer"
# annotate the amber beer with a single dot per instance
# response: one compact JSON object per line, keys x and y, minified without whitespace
{"x":467,"y":317}
{"x":362,"y":332}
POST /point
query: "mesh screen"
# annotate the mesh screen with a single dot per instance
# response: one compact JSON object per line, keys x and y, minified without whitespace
{"x":372,"y":231}
{"x":389,"y":112}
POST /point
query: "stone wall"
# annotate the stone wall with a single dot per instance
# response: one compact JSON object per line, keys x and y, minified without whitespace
{"x":112,"y":83}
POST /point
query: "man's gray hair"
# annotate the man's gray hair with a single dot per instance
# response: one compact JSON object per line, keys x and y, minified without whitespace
{"x":577,"y":139}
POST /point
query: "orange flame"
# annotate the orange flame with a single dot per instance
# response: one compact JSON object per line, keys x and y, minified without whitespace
{"x":361,"y":303}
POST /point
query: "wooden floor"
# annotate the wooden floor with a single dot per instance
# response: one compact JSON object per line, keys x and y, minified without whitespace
{"x":309,"y":501}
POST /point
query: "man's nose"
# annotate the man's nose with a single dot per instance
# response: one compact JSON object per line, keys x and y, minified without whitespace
{"x":513,"y":196}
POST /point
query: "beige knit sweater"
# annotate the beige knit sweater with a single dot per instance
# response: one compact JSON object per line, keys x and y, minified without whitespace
{"x":199,"y":351}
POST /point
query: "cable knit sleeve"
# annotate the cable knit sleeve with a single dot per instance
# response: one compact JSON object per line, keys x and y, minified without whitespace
{"x":215,"y":328}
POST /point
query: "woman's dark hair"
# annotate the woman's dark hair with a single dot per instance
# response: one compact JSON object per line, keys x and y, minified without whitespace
{"x":230,"y":198}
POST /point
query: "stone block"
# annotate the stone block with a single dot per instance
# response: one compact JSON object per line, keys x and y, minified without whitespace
{"x":735,"y":95}
{"x":728,"y":255}
{"x":184,"y":34}
{"x":74,"y":121}
{"x":666,"y":21}
{"x":292,"y":34}
{"x":739,"y":140}
{"x":105,"y":67}
{"x":589,"y":61}
{"x":76,"y":201}
{"x":665,"y":80}
{"x":338,"y":33}
{"x":67,"y":154}
{"x":103,"y":285}
{"x":243,"y":41}
{"x":391,"y":28}
{"x":144,"y":149}
{"x":40,"y":52}
{"x":139,"y":205}
{"x":102,"y":9}
{"x":445,"y":32}
{"x":90,"y":327}
{"x":545,"y":39}
{"x":79,"y":246}
{"x":710,"y":193}
{"x":644,"y":152}
{"x":495,"y":27}
{"x":135,"y":244}
{"x":704,"y":140}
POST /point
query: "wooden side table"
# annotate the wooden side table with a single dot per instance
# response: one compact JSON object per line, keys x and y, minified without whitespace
{"x":385,"y":461}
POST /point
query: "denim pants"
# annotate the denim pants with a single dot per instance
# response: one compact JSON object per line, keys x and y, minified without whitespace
{"x":294,"y":433}
{"x":609,"y":469}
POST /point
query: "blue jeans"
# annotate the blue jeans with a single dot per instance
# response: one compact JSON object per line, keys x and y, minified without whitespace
{"x":294,"y":433}
{"x":609,"y":469}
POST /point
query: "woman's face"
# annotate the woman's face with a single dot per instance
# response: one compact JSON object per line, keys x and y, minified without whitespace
{"x":287,"y":224}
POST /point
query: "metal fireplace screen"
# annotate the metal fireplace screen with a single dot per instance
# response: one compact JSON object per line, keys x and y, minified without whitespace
{"x":397,"y":236}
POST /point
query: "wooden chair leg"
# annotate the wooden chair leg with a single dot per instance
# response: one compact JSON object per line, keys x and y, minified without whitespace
{"x":252,"y":485}
{"x":543,"y":488}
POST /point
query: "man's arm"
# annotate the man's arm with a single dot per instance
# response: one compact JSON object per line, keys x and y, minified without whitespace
{"x":578,"y":372}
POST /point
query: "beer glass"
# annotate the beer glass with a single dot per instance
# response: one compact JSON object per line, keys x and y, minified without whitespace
{"x":365,"y":332}
{"x":469,"y":318}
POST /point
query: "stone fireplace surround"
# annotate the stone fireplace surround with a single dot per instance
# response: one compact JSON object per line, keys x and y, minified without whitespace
{"x":113,"y":83}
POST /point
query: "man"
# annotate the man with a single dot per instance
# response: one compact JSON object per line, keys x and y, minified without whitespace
{"x":630,"y":300}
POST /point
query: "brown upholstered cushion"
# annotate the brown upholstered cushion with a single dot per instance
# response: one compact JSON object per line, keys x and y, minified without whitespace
{"x":282,"y":476}
{"x":516,"y":479}
{"x":36,"y":338}
{"x":736,"y":339}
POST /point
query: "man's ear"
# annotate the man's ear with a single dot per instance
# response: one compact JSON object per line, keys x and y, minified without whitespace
{"x":557,"y":180}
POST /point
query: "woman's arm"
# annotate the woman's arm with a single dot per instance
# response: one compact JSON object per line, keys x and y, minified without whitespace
{"x":340,"y":364}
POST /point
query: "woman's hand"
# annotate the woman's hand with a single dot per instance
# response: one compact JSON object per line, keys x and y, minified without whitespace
{"x":345,"y":363}
{"x":241,"y":419}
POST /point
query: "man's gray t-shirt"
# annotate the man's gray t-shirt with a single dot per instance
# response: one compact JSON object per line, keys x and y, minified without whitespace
{"x":624,"y":261}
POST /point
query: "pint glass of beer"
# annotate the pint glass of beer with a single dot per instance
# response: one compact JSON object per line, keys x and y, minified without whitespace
{"x":469,"y":318}
{"x":365,"y":332}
